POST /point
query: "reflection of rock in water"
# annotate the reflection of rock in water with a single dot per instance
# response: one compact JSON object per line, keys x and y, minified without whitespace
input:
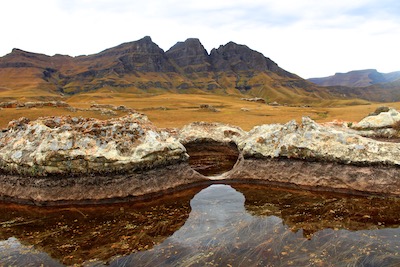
{"x":313,"y":212}
{"x":73,"y":235}
{"x":212,"y":158}
{"x":223,"y":228}
{"x":220,"y":232}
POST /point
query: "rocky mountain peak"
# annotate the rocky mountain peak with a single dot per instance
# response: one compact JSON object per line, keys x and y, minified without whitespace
{"x":17,"y":51}
{"x":19,"y":58}
{"x":190,"y":55}
{"x":146,"y":39}
{"x":144,"y":45}
{"x":139,"y":56}
{"x":236,"y":57}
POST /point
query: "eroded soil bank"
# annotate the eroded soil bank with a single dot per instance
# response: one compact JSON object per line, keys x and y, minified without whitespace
{"x":320,"y":176}
{"x":96,"y":189}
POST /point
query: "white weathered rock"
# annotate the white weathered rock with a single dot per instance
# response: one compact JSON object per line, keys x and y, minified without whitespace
{"x":90,"y":159}
{"x":382,"y":120}
{"x":198,"y":131}
{"x":379,"y":133}
{"x":68,"y":145}
{"x":312,"y":141}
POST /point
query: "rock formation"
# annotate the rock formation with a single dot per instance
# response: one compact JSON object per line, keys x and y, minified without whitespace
{"x":139,"y":56}
{"x":384,"y":119}
{"x":69,"y":159}
{"x":383,"y":123}
{"x":86,"y":146}
{"x":77,"y":159}
{"x":236,"y":58}
{"x":311,"y":141}
{"x":190,"y":55}
{"x":308,"y":155}
{"x":208,"y":131}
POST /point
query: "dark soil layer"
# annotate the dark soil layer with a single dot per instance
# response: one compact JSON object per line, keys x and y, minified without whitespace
{"x":320,"y":176}
{"x":97,"y":189}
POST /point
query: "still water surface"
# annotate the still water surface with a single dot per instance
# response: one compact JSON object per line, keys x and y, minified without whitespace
{"x":220,"y":225}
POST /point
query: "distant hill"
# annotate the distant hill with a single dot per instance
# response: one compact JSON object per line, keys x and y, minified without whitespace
{"x":368,"y":84}
{"x":142,"y":67}
{"x":357,"y":78}
{"x":380,"y":92}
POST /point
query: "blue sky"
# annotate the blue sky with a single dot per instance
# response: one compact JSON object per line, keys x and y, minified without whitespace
{"x":311,"y":38}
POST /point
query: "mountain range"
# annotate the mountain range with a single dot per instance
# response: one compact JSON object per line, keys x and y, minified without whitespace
{"x":142,"y":67}
{"x":367,"y":84}
{"x":357,"y":78}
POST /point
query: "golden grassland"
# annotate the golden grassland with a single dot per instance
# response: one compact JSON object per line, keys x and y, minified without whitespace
{"x":177,"y":110}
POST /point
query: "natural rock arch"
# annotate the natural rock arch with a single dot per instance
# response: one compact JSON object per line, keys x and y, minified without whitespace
{"x":210,"y":158}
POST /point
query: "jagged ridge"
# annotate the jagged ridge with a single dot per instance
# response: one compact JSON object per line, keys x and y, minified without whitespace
{"x":142,"y":66}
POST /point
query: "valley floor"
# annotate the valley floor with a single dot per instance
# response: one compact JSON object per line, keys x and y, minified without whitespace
{"x":177,"y":110}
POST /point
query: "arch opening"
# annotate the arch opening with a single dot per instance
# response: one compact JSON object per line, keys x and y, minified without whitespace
{"x":211,"y":158}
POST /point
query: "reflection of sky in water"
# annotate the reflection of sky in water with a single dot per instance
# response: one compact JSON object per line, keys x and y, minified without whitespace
{"x":13,"y":253}
{"x":220,"y":232}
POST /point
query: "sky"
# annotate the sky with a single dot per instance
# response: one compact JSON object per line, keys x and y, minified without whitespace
{"x":312,"y":38}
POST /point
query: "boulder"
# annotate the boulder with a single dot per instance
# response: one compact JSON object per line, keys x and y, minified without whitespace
{"x":254,"y":99}
{"x":379,"y":110}
{"x":207,"y":107}
{"x":382,"y":120}
{"x":274,"y":104}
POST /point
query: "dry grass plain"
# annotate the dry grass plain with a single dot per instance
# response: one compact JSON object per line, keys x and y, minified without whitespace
{"x":177,"y":110}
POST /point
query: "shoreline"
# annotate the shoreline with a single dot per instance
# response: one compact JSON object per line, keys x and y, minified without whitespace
{"x":326,"y":177}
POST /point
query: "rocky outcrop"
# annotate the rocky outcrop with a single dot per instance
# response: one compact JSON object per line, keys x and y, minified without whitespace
{"x":211,"y":146}
{"x":9,"y":104}
{"x":70,"y":145}
{"x":311,"y":156}
{"x":138,"y":56}
{"x":382,"y":120}
{"x":190,"y":55}
{"x":383,"y":123}
{"x":236,"y":58}
{"x":69,"y":159}
{"x":311,"y":141}
{"x":210,"y":131}
{"x":37,"y":104}
{"x":254,"y":99}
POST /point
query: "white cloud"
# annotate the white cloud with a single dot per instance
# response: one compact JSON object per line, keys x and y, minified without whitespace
{"x":307,"y":37}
